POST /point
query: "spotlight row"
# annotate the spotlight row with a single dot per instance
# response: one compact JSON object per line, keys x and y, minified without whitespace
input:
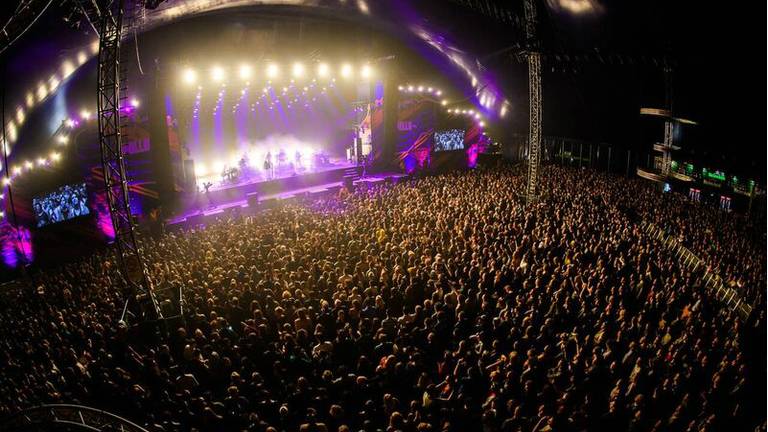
{"x":420,"y":89}
{"x":37,"y":94}
{"x":298,"y":70}
{"x":61,"y":138}
{"x":29,"y":166}
{"x":467,"y":112}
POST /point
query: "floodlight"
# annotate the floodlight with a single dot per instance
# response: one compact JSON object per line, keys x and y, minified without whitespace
{"x":346,"y":70}
{"x":366,"y":71}
{"x":322,"y":70}
{"x":217,"y":73}
{"x":189,"y":76}
{"x":298,"y":70}
{"x":272,"y":70}
{"x":245,"y":71}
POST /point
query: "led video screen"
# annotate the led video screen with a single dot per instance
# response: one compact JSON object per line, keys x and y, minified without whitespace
{"x":67,"y":202}
{"x":452,"y":139}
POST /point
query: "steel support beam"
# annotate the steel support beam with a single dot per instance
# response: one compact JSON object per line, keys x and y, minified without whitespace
{"x":534,"y":103}
{"x":130,"y":262}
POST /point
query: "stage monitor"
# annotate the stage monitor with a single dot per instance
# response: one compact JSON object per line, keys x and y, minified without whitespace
{"x":448,"y":140}
{"x":67,"y":202}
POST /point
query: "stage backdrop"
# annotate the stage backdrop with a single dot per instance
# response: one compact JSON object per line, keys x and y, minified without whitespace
{"x":416,"y":118}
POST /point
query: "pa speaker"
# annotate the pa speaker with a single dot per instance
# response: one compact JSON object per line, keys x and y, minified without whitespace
{"x":253,"y":200}
{"x":349,"y":183}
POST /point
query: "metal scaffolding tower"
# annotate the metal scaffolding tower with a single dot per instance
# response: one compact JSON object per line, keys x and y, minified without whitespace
{"x":534,"y":102}
{"x":669,"y":126}
{"x":129,"y":256}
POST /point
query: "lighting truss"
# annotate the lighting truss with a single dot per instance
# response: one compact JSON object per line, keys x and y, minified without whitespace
{"x":25,"y":15}
{"x":129,"y":256}
{"x":534,"y":103}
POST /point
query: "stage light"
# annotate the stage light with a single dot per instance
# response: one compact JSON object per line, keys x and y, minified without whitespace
{"x":218,"y":166}
{"x":30,"y":100}
{"x":81,"y":57}
{"x":421,"y":89}
{"x":189,"y":76}
{"x":298,"y":70}
{"x":444,"y":102}
{"x":67,"y":68}
{"x":85,"y":114}
{"x":400,"y":88}
{"x":217,"y":73}
{"x":54,"y":82}
{"x":16,"y":170}
{"x":322,"y":70}
{"x":272,"y":70}
{"x":42,"y":92}
{"x":410,"y":88}
{"x":346,"y":70}
{"x":477,"y":116}
{"x":71,"y":123}
{"x":29,"y":165}
{"x":438,"y":93}
{"x":41,"y":161}
{"x":429,"y":89}
{"x":20,"y":115}
{"x":55,"y":157}
{"x":503,"y":111}
{"x":63,"y":139}
{"x":200,"y":170}
{"x":6,"y":181}
{"x":135,"y":103}
{"x":245,"y":71}
{"x":481,"y":124}
{"x":366,"y":71}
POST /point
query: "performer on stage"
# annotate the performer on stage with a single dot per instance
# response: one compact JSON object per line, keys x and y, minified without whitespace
{"x":297,"y":159}
{"x":268,"y":173}
{"x":207,"y":186}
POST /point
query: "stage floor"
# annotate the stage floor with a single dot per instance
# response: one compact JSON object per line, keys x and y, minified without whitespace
{"x":253,"y":176}
{"x":201,"y":207}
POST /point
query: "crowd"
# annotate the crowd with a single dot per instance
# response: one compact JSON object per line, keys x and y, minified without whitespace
{"x":437,"y":304}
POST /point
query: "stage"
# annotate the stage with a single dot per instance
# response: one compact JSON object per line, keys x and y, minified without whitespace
{"x":265,"y":193}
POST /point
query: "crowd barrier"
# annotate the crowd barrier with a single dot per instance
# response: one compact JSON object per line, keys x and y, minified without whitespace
{"x":713,"y":282}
